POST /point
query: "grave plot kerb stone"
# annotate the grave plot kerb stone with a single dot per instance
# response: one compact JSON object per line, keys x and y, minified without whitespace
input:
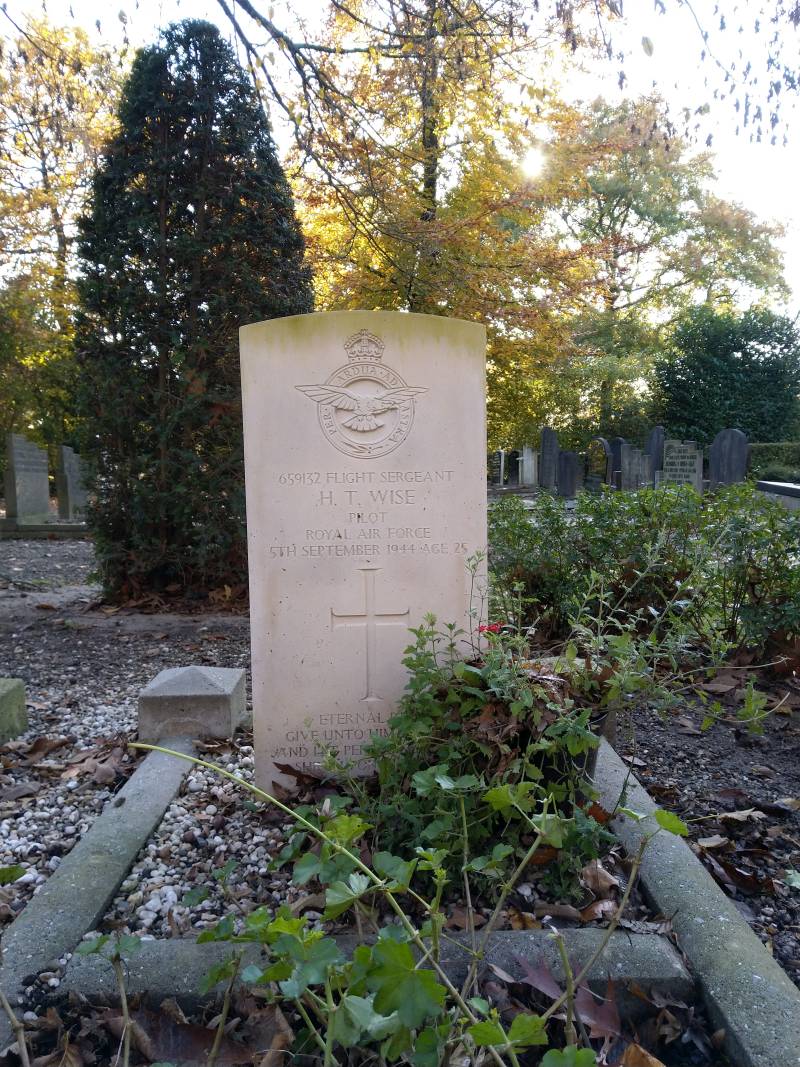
{"x":193,"y":701}
{"x":365,"y":467}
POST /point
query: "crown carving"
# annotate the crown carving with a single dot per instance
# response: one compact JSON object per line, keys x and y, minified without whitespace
{"x":364,"y":345}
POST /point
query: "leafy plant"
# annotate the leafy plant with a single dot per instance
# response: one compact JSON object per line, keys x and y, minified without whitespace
{"x":393,"y":999}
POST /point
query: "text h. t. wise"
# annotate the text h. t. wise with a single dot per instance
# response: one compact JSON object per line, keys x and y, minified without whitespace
{"x":365,"y":470}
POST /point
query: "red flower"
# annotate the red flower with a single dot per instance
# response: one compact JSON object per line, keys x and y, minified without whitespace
{"x":491,"y":628}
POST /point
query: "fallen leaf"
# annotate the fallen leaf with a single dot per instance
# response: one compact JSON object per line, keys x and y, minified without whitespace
{"x":21,"y":789}
{"x":598,"y":909}
{"x":598,"y":813}
{"x":636,"y":1056}
{"x":41,"y":747}
{"x":789,"y":802}
{"x":520,"y":920}
{"x":158,"y":1037}
{"x":542,"y":856}
{"x":715,"y":841}
{"x":459,"y":920}
{"x":557,"y":911}
{"x":46,"y":607}
{"x":686,"y":726}
{"x":268,"y":1032}
{"x":741,"y":816}
{"x":595,"y":877}
{"x":540,"y":978}
{"x":600,"y":1014}
{"x":634,"y":761}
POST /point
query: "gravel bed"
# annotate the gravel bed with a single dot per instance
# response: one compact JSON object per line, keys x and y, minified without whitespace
{"x":45,"y":564}
{"x":209,"y":829}
{"x":82,"y":685}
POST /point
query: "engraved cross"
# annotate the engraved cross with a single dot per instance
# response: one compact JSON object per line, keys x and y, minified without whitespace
{"x":370,"y":619}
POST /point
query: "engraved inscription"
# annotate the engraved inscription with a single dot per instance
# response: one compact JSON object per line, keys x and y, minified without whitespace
{"x":365,"y":409}
{"x":370,"y":619}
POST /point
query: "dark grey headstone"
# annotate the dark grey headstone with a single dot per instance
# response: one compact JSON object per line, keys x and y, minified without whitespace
{"x":655,"y":448}
{"x":728,"y":458}
{"x":495,"y":468}
{"x":26,"y":483}
{"x":512,"y":467}
{"x":548,"y":460}
{"x":70,"y":487}
{"x":617,"y":445}
{"x":570,"y":474}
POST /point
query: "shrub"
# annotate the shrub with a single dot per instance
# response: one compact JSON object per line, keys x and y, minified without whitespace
{"x":191,"y":232}
{"x":776,"y":461}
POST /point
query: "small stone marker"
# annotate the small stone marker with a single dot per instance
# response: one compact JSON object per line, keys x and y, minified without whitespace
{"x":548,"y":459}
{"x":570,"y":474}
{"x":70,"y":489}
{"x":26,"y":483}
{"x":683,"y":465}
{"x":728,"y":458}
{"x":528,"y":467}
{"x":13,"y":713}
{"x":654,"y":448}
{"x":366,"y":494}
{"x":192,"y":702}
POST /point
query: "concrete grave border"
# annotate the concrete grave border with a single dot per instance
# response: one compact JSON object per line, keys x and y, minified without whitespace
{"x":77,"y":894}
{"x":744,"y":989}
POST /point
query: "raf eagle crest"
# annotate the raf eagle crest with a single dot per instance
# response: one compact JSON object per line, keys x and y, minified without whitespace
{"x":350,"y":401}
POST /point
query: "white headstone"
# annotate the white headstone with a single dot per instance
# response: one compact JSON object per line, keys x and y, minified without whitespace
{"x":365,"y":462}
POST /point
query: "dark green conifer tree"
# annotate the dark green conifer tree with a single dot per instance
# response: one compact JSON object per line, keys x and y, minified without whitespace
{"x":190,"y":234}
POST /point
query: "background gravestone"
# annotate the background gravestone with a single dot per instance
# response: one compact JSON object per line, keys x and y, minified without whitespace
{"x":529,"y":467}
{"x":513,"y":459}
{"x":598,"y":457}
{"x":495,"y":470}
{"x":728,"y":458}
{"x":654,"y":448}
{"x":570,"y":474}
{"x":634,"y":468}
{"x":70,"y":488}
{"x":548,"y":459}
{"x":366,"y":493}
{"x":617,"y":445}
{"x":27,"y":486}
{"x":683,"y":465}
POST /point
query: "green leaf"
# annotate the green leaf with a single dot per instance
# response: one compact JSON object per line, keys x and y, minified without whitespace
{"x":670,"y":822}
{"x":427,"y":1046}
{"x":341,"y":895}
{"x":306,"y":868}
{"x":792,"y":878}
{"x":314,"y":961}
{"x":88,"y":948}
{"x":222,"y":874}
{"x":569,"y":1057}
{"x":11,"y":874}
{"x":356,"y":1016}
{"x":480,"y":1005}
{"x":527,"y":1030}
{"x":223,"y":931}
{"x":223,"y":972}
{"x":345,"y":829}
{"x":251,"y":974}
{"x":398,"y":986}
{"x":399,"y":871}
{"x":195,"y":896}
{"x":488,"y":1033}
{"x":127,"y":944}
